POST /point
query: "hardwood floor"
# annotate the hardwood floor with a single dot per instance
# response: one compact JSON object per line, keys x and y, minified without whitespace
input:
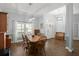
{"x":17,"y":50}
{"x":76,"y":47}
{"x":56,"y":48}
{"x":53,"y":48}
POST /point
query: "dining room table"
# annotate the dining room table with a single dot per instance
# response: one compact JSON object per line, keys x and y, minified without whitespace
{"x":34,"y":44}
{"x":38,"y":38}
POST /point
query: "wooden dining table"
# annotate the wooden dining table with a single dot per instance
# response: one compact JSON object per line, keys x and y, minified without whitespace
{"x":38,"y":38}
{"x":34,"y":44}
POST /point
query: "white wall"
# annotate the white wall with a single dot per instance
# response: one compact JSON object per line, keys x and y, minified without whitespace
{"x":49,"y":22}
{"x":60,"y":18}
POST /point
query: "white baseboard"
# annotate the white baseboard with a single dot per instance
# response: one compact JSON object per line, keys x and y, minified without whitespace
{"x":68,"y":49}
{"x":75,"y":38}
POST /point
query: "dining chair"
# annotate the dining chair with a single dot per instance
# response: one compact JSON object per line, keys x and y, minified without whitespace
{"x":23,"y":40}
{"x":41,"y":47}
{"x":26,"y":38}
{"x":27,"y":44}
{"x":33,"y":50}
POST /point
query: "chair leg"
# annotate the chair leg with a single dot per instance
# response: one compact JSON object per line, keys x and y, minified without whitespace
{"x":44,"y":51}
{"x":27,"y":52}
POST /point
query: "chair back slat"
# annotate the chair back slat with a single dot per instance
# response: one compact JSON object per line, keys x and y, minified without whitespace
{"x":23,"y":37}
{"x":27,"y":39}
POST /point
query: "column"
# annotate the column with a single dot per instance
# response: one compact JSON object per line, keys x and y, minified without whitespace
{"x":69,"y":27}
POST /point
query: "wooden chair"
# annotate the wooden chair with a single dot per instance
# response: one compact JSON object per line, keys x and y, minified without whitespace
{"x":36,"y":31}
{"x":27,"y":44}
{"x":8,"y":41}
{"x":41,"y":47}
{"x":33,"y":50}
{"x":27,"y":39}
{"x":24,"y":41}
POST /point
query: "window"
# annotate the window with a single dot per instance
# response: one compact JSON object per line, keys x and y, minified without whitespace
{"x":20,"y":27}
{"x":28,"y":27}
{"x":59,"y":18}
{"x":19,"y":30}
{"x":23,"y":28}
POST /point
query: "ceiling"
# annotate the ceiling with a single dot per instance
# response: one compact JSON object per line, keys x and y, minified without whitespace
{"x":27,"y":9}
{"x":59,"y":11}
{"x":76,"y":8}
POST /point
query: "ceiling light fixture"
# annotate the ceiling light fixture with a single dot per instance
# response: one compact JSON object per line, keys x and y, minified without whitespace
{"x":30,"y":4}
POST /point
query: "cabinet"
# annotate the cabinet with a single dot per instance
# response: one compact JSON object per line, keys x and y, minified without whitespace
{"x":3,"y":22}
{"x":3,"y":29}
{"x":2,"y":37}
{"x":5,"y":41}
